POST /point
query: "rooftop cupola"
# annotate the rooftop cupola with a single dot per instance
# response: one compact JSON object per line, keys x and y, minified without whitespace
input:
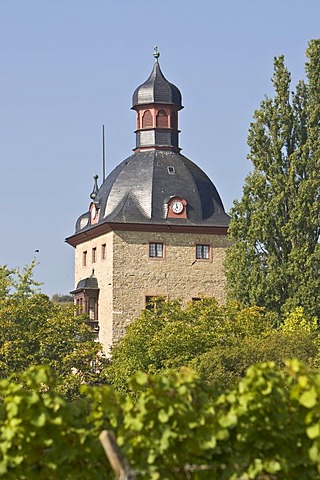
{"x":156,"y":185}
{"x":157,"y":103}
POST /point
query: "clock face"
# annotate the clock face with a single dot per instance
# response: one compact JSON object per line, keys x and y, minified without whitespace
{"x":177,"y":207}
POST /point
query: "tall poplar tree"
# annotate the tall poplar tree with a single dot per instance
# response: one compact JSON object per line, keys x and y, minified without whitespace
{"x":275,"y":259}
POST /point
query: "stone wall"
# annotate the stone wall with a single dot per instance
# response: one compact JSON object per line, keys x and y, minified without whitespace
{"x":128,"y":275}
{"x":178,"y":275}
{"x":103,"y":270}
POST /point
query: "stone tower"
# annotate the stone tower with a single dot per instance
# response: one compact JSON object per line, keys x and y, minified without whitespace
{"x":156,"y":227}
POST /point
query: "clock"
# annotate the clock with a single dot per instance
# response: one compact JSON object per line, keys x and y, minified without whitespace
{"x":177,"y":206}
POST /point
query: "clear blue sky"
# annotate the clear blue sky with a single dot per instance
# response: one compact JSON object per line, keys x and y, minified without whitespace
{"x":69,"y":66}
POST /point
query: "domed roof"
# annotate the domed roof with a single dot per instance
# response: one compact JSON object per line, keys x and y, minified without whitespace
{"x":139,"y":189}
{"x":89,"y":283}
{"x":142,"y":189}
{"x":157,"y":89}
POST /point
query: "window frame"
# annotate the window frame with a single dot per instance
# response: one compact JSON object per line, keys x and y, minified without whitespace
{"x":152,"y":305}
{"x":156,"y":256}
{"x":79,"y":305}
{"x":202,"y":246}
{"x":87,"y":302}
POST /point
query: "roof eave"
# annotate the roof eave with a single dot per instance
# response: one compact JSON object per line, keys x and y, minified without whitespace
{"x":106,"y":227}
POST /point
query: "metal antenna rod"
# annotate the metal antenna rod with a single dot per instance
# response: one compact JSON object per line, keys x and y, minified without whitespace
{"x":103,"y":155}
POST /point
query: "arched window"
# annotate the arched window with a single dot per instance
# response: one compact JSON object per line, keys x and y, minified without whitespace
{"x":147,"y":119}
{"x":174,"y":120}
{"x":162,"y":119}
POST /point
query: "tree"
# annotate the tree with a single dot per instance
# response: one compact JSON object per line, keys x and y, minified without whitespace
{"x":17,"y":284}
{"x":218,"y":342}
{"x":35,"y":331}
{"x":275,"y":259}
{"x":5,"y":281}
{"x":59,"y":298}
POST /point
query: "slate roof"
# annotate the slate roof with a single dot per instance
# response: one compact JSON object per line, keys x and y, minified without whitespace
{"x":157,"y":89}
{"x":89,"y":283}
{"x":138,"y":191}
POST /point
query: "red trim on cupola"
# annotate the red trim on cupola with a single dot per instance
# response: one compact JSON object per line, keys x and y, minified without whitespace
{"x":156,"y":115}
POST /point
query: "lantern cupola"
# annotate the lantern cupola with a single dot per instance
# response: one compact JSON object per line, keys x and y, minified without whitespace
{"x":157,"y":103}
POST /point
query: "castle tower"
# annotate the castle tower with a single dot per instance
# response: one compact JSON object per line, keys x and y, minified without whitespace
{"x":156,"y":227}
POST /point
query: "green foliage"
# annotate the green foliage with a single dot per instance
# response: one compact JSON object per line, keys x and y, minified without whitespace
{"x":219,"y":342}
{"x":275,"y":258}
{"x":5,"y":281}
{"x":17,"y":284}
{"x":297,"y":322}
{"x":58,"y":298}
{"x":35,"y":331}
{"x":265,"y":427}
{"x":23,"y":283}
{"x":44,"y":437}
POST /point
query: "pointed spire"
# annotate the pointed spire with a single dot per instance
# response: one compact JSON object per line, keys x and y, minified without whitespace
{"x":95,"y":187}
{"x":157,"y":89}
{"x":156,"y":54}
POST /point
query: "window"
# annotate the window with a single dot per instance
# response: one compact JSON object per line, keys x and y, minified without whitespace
{"x":103,"y":251}
{"x":162,"y":119}
{"x":171,"y":170}
{"x":154,"y":301}
{"x":79,"y":306}
{"x":84,"y":259}
{"x":202,"y":252}
{"x":87,"y":303}
{"x":147,"y":119}
{"x":94,"y":255}
{"x":155,"y":250}
{"x":92,"y":308}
